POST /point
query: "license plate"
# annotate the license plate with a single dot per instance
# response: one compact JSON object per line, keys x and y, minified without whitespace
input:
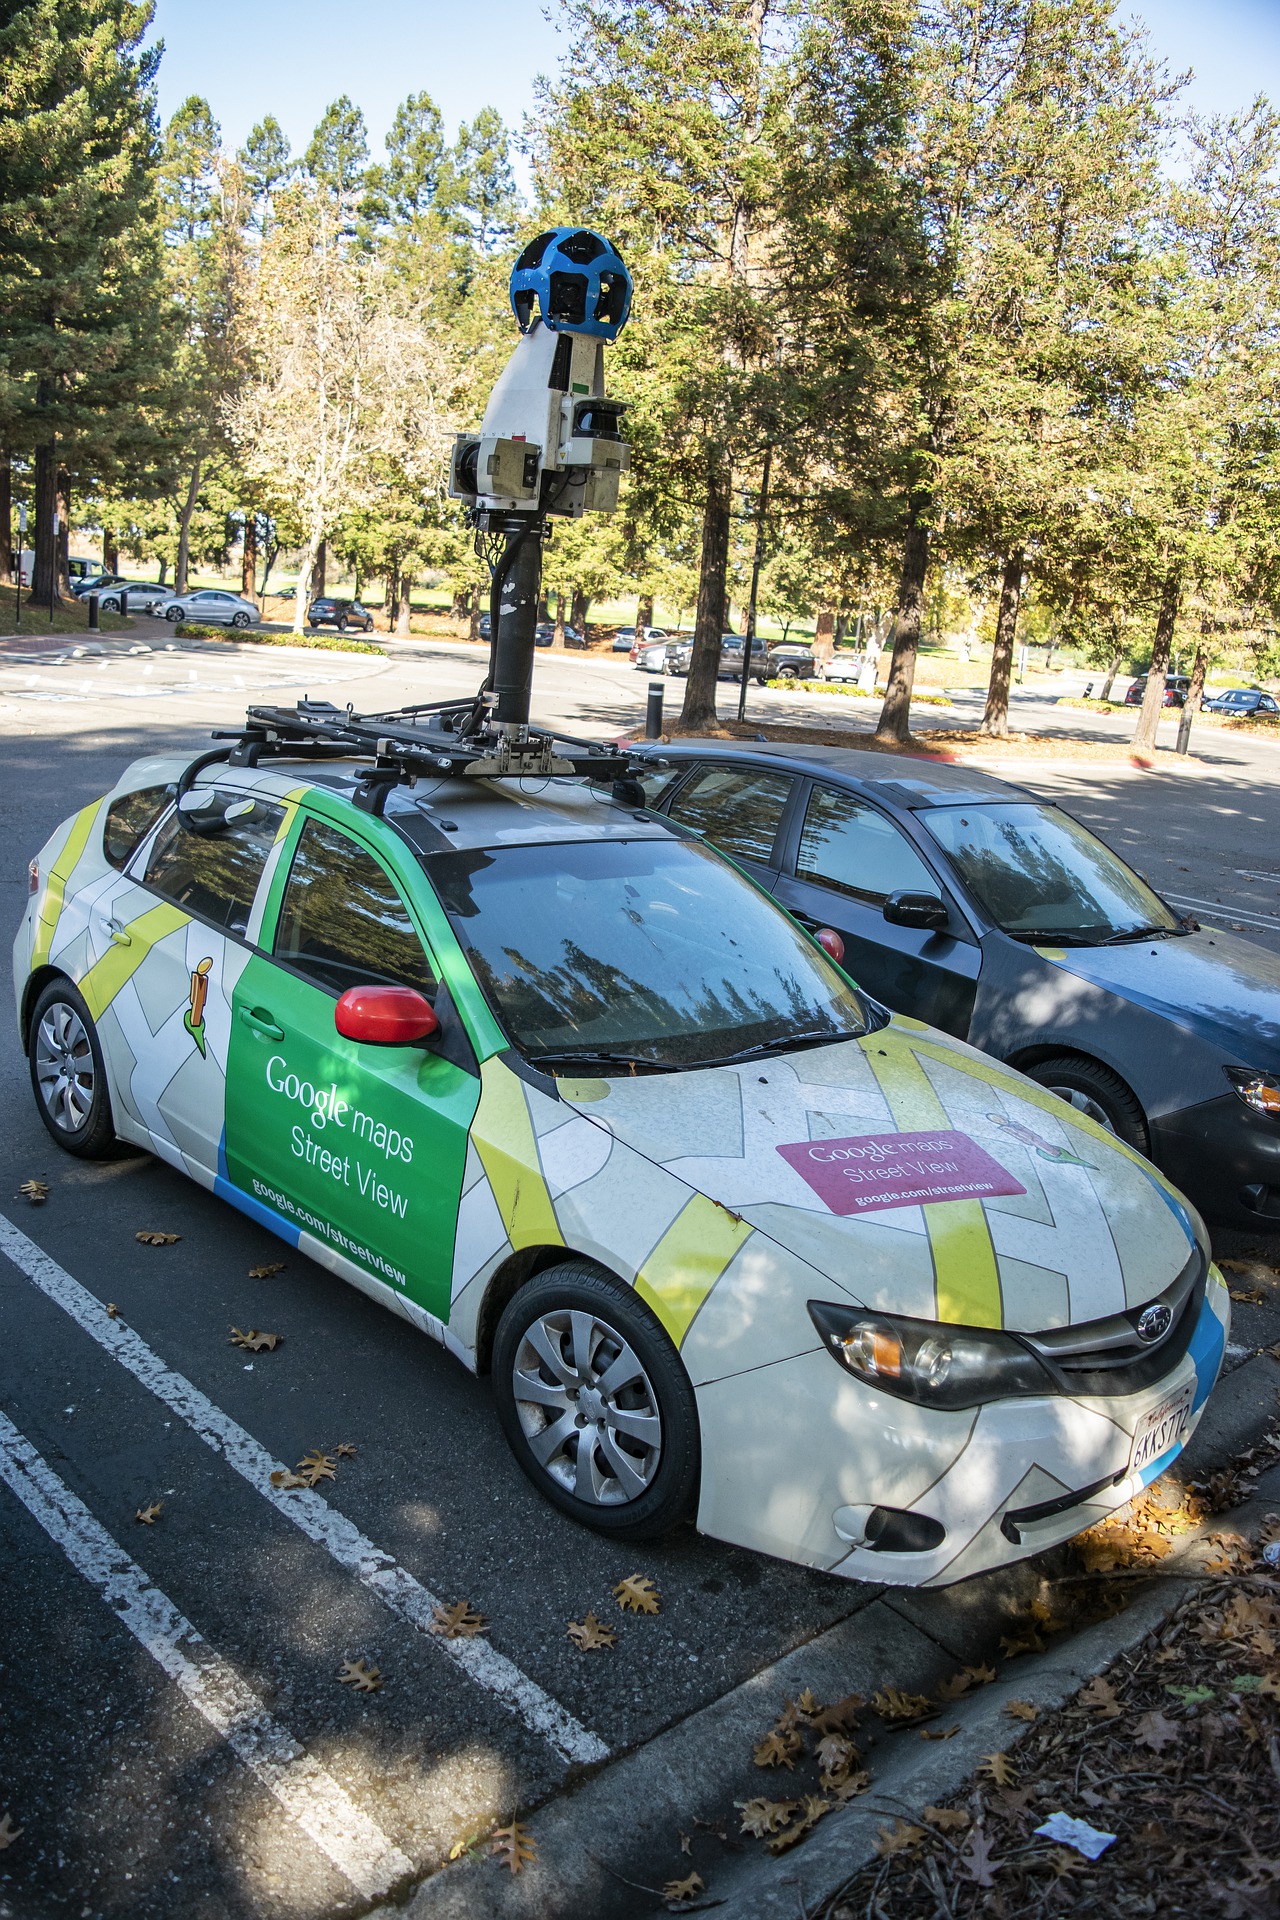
{"x":1161,"y":1429}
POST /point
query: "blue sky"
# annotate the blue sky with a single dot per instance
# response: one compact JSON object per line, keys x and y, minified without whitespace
{"x":291,"y":57}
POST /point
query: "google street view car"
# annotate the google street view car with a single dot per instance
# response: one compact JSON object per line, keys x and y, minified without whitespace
{"x":565,"y":1090}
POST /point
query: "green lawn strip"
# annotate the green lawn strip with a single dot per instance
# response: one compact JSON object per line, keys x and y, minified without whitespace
{"x":69,"y":616}
{"x":321,"y":642}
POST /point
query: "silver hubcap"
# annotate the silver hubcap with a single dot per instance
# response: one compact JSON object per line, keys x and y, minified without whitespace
{"x":587,"y":1408}
{"x":64,"y":1067}
{"x":1084,"y":1103}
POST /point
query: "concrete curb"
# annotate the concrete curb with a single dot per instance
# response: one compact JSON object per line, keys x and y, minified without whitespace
{"x":631,"y":1809}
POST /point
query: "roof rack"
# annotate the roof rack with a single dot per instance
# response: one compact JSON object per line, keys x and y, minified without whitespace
{"x":439,"y":738}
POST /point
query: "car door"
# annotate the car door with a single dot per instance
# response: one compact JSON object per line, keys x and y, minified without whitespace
{"x":361,"y":1148}
{"x":740,"y":810}
{"x":846,"y":858}
{"x":176,"y":934}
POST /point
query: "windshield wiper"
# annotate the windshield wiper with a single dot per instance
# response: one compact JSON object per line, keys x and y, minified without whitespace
{"x":781,"y":1045}
{"x":604,"y":1059}
{"x":1137,"y":933}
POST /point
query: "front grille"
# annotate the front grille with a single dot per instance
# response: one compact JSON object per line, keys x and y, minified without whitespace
{"x":1108,"y":1357}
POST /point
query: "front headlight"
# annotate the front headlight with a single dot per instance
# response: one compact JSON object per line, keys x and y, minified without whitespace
{"x":927,"y":1362}
{"x":1261,"y":1091}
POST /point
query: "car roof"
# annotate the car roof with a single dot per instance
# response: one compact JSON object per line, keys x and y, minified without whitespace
{"x":902,"y":780}
{"x":449,"y":815}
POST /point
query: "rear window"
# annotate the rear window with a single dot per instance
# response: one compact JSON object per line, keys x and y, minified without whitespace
{"x":130,"y":819}
{"x":215,"y":875}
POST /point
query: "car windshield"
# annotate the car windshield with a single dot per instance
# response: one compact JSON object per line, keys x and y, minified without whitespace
{"x":637,"y":954}
{"x":1042,"y":876}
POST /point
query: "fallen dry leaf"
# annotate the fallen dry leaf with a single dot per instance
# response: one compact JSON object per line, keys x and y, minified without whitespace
{"x":365,"y":1679}
{"x":470,"y":1844}
{"x":998,"y":1767}
{"x":898,"y":1838}
{"x":808,"y":1706}
{"x":954,"y":1688}
{"x":842,"y":1717}
{"x":760,"y":1818}
{"x":590,"y":1635}
{"x":812,"y":1809}
{"x":283,"y":1478}
{"x":36,"y":1191}
{"x":686,"y":1843}
{"x":515,"y":1846}
{"x":849,"y":1789}
{"x":778,"y":1749}
{"x":686,"y":1889}
{"x":1248,"y":1296}
{"x":150,"y":1239}
{"x":1100,"y":1697}
{"x":981,"y":1676}
{"x":255,"y":1342}
{"x":1154,"y":1730}
{"x":345,"y":1451}
{"x":315,"y":1467}
{"x":113,"y":1311}
{"x":1027,"y":1640}
{"x":1021,"y":1710}
{"x":149,"y":1515}
{"x":265,"y":1273}
{"x":939,"y":1733}
{"x":8,"y":1832}
{"x":947,"y":1819}
{"x":637,"y":1594}
{"x":892,"y":1704}
{"x":975,"y":1863}
{"x":837,"y":1757}
{"x":458,"y":1622}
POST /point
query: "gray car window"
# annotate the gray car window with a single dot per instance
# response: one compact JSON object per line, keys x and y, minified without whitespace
{"x":342,"y":921}
{"x":738,"y":809}
{"x":215,"y":875}
{"x":851,"y":846}
{"x":1039,"y":872}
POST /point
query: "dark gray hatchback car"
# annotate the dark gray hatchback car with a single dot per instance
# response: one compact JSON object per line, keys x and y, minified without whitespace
{"x":986,"y":911}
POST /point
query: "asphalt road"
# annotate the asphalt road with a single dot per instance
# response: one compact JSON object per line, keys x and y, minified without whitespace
{"x":175,"y":1739}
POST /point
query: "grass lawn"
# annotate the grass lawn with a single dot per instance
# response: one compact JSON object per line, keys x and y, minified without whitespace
{"x":69,"y":617}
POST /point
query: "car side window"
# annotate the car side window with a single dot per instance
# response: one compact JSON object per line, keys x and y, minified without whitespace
{"x":215,"y":875}
{"x":342,"y":922}
{"x":130,"y":819}
{"x":851,"y":846}
{"x":738,"y":809}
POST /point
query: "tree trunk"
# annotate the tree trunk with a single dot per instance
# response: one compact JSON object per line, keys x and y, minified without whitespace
{"x":319,"y":571}
{"x":64,"y":533}
{"x":164,"y":568}
{"x":460,"y":605}
{"x":544,"y":609}
{"x":306,"y":573}
{"x":403,"y":606}
{"x":1153,"y":699}
{"x":895,"y":714}
{"x":557,"y":636}
{"x":6,"y":520}
{"x":1199,"y":668}
{"x":824,"y":641}
{"x":390,"y":596}
{"x":1112,"y":671}
{"x":578,"y":612}
{"x":184,"y":531}
{"x":476,"y":610}
{"x":644,"y":613}
{"x":44,"y":563}
{"x":699,"y":709}
{"x":249,"y":557}
{"x":995,"y":720}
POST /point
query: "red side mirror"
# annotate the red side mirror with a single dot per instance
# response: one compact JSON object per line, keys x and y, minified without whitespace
{"x":828,"y":938}
{"x":385,"y":1016}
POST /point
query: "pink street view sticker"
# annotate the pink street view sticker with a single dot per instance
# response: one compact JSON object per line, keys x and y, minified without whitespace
{"x":898,"y":1170}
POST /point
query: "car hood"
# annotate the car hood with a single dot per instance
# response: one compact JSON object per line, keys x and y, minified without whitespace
{"x":1036,"y":1218}
{"x":1215,"y":985}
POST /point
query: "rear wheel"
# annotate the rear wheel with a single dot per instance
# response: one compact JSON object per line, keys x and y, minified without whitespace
{"x":240,"y":620}
{"x":342,"y":623}
{"x":595,"y":1403}
{"x":67,"y":1073}
{"x":1095,"y":1091}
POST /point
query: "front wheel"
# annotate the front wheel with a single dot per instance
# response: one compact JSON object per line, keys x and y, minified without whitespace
{"x":240,"y":620}
{"x":1095,"y":1091}
{"x":68,"y":1077}
{"x":173,"y":615}
{"x":342,"y":624}
{"x":595,"y":1403}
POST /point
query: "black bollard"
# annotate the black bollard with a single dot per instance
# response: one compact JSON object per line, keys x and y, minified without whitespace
{"x":653,"y":716}
{"x":124,"y":602}
{"x":93,"y":613}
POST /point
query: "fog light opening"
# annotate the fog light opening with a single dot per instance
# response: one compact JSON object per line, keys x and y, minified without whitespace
{"x":890,"y":1530}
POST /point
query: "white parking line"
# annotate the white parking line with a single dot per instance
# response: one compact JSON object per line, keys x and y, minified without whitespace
{"x":356,"y":1845}
{"x":1224,"y":910}
{"x":308,"y":1511}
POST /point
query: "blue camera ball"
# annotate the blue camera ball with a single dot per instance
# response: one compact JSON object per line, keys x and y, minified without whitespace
{"x":577,"y":281}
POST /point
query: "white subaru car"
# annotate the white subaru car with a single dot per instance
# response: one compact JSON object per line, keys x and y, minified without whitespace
{"x":561,"y":1087}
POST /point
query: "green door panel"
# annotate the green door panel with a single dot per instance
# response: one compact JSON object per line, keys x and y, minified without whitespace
{"x":361,"y":1147}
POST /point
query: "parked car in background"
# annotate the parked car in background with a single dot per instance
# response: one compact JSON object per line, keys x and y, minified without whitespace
{"x":790,"y":661}
{"x":325,"y":611}
{"x":650,"y":655}
{"x":144,"y":595}
{"x":1176,"y":688}
{"x":680,"y":653}
{"x":1244,"y":702}
{"x":210,"y":604}
{"x":96,"y":582}
{"x":545,"y":632}
{"x":628,"y":639}
{"x":986,"y":911}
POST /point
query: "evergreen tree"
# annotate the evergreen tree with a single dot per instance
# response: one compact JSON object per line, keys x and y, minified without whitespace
{"x":266,"y":164}
{"x":415,"y":154}
{"x":338,"y":153}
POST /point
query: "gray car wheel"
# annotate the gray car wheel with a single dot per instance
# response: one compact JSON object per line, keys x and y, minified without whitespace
{"x":174,"y":614}
{"x":240,"y":620}
{"x":68,"y":1077}
{"x":595,"y":1402}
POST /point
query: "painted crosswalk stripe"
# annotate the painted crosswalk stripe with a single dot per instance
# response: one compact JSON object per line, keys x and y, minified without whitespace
{"x":308,"y":1511}
{"x":311,"y":1797}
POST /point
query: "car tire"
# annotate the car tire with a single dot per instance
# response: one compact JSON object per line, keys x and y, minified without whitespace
{"x":173,"y":615}
{"x":109,"y":606}
{"x":1094,"y":1090}
{"x":68,"y":1076}
{"x":535,"y":1343}
{"x":240,"y":620}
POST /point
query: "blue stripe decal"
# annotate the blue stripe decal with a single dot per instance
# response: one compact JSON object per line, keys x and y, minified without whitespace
{"x":267,"y":1217}
{"x":1208,"y":1344}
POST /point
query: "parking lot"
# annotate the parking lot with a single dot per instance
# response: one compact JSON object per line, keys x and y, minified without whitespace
{"x":178,"y":1740}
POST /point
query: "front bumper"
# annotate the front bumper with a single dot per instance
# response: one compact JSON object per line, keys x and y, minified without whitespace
{"x":1225,"y":1158}
{"x":1002,"y":1481}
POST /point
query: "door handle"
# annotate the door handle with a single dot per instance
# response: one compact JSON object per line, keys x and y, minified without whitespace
{"x":259,"y":1021}
{"x":119,"y":933}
